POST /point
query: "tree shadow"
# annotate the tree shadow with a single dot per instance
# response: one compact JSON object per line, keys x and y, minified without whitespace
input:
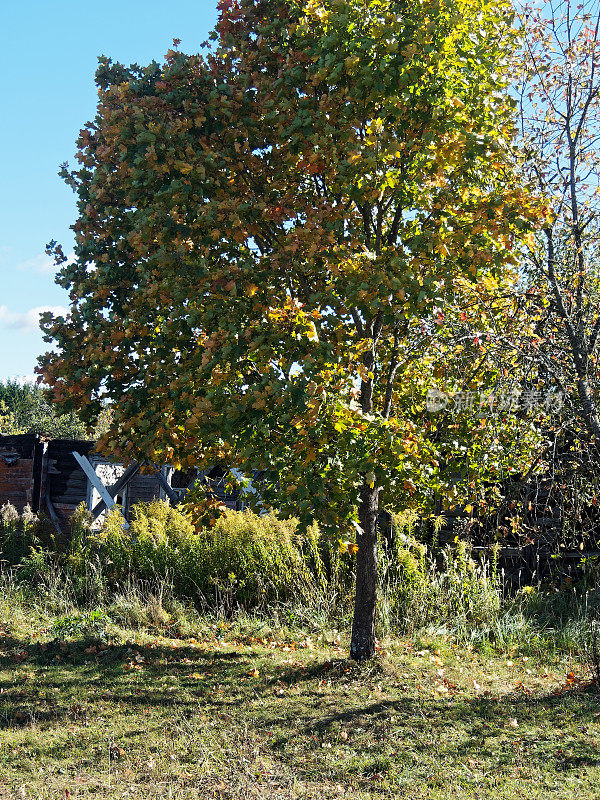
{"x":340,"y":670}
{"x":461,"y":729}
{"x":217,"y":682}
{"x":70,"y":664}
{"x":89,"y":649}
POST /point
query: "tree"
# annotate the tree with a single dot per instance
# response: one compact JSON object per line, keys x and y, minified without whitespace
{"x":560,"y":126}
{"x":30,"y":411}
{"x":8,"y":423}
{"x":265,"y":232}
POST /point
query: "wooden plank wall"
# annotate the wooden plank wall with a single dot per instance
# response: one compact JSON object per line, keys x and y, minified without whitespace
{"x":66,"y":482}
{"x":143,"y":488}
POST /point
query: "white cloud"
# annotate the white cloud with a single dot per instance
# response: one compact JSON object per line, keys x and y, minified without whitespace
{"x":27,"y":321}
{"x":41,"y":264}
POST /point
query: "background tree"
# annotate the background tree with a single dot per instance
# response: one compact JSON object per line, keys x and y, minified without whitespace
{"x":560,"y":125}
{"x":262,"y":234}
{"x":27,"y":409}
{"x":8,"y":423}
{"x":560,"y":128}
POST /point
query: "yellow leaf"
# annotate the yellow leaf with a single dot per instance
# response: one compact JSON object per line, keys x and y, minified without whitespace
{"x":442,"y":250}
{"x":310,"y":455}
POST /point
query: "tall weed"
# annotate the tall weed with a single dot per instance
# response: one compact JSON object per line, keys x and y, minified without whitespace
{"x":420,"y":589}
{"x":18,"y":534}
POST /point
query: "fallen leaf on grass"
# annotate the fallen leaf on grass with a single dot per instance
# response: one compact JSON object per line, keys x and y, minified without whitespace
{"x":23,"y":655}
{"x":116,"y":752}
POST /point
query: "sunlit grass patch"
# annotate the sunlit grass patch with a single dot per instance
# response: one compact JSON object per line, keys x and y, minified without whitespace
{"x":261,"y":710}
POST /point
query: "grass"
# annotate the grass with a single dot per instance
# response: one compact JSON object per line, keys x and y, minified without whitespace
{"x":250,"y":709}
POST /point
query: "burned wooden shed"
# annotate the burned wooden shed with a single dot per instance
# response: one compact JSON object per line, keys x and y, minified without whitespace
{"x":21,"y":459}
{"x":54,"y":476}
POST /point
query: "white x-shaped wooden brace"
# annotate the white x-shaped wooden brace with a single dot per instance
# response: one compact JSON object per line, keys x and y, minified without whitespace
{"x":107,"y":495}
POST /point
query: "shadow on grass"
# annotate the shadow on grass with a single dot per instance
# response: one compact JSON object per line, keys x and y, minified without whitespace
{"x":545,"y":731}
{"x":87,"y":650}
{"x":188,"y":683}
{"x":416,"y":735}
{"x":339,"y":670}
{"x":89,"y":663}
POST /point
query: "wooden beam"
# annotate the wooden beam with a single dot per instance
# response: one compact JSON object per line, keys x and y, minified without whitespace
{"x":171,"y":494}
{"x":53,"y":515}
{"x":96,"y":482}
{"x":39,"y":463}
{"x":130,"y":473}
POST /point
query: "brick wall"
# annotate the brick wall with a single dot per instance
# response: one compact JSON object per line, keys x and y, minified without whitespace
{"x":17,"y":459}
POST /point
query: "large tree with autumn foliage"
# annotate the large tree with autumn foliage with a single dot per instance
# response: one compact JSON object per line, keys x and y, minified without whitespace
{"x":268,"y":233}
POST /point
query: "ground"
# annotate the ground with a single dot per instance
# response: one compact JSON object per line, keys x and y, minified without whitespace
{"x":275,"y":715}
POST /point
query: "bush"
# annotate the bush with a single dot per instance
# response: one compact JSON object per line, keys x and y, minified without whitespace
{"x":81,"y":625}
{"x":150,"y":575}
{"x":250,"y":561}
{"x":254,"y":558}
{"x":245,"y":559}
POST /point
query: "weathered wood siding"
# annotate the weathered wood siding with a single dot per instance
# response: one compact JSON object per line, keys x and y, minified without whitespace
{"x":143,"y":488}
{"x":67,"y":484}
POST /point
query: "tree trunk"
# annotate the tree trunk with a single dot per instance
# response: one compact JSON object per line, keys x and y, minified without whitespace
{"x":362,"y":644}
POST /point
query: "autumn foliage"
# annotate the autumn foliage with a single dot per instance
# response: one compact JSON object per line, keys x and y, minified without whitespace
{"x":266,"y":229}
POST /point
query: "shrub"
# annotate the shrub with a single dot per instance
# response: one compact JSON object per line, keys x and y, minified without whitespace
{"x":418,"y":590}
{"x":81,"y":625}
{"x":256,"y":557}
{"x":244,"y":559}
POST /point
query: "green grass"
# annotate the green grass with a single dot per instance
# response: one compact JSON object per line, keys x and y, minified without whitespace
{"x":248,"y":709}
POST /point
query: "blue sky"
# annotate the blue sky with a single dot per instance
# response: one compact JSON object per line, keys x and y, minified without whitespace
{"x":48,"y":56}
